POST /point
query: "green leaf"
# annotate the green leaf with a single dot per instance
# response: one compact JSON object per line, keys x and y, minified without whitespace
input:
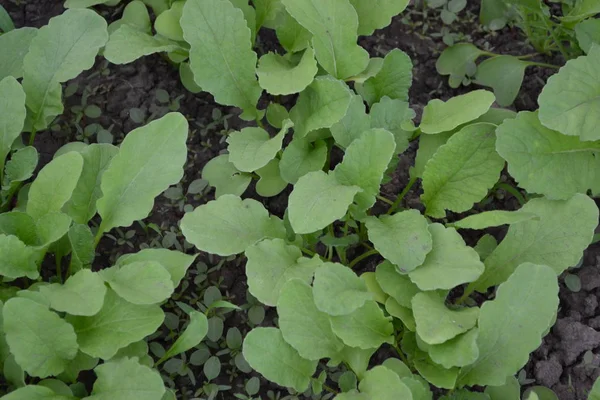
{"x":543,"y":241}
{"x":373,"y":286}
{"x":353,"y":124}
{"x":440,"y":116}
{"x":510,"y":390}
{"x":406,"y":227}
{"x":187,"y":78}
{"x":436,"y":374}
{"x":54,"y":185}
{"x":17,"y":258}
{"x":488,"y":219}
{"x":21,"y":166}
{"x":428,"y":146}
{"x":149,"y":160}
{"x":365,"y":163}
{"x":397,"y":285}
{"x":436,"y":323}
{"x":19,"y":224}
{"x":334,"y":26}
{"x":96,"y":159}
{"x":545,"y":161}
{"x":134,"y":14}
{"x":393,"y":80}
{"x":12,"y":115}
{"x":81,"y":362}
{"x":587,"y":32}
{"x":175,"y":262}
{"x":301,"y":157}
{"x":221,"y":54}
{"x":225,"y":177}
{"x":267,"y":352}
{"x":252,"y":148}
{"x":51,"y":228}
{"x":595,"y":392}
{"x":377,"y":14}
{"x":249,"y":15}
{"x":82,"y":294}
{"x":141,"y":282}
{"x":394,"y":115}
{"x":270,"y":183}
{"x":302,"y":325}
{"x":276,"y":114}
{"x":338,"y":290}
{"x":14,"y":46}
{"x":512,"y":325}
{"x":65,"y":47}
{"x":366,"y":327}
{"x":318,"y":200}
{"x":126,"y":379}
{"x":464,"y":394}
{"x":539,"y":393}
{"x":6,"y":23}
{"x":191,"y":336}
{"x":382,"y":383}
{"x":462,"y":171}
{"x":128,"y":43}
{"x":235,"y":225}
{"x":374,"y":66}
{"x":450,"y":262}
{"x":118,"y":324}
{"x":323,"y":103}
{"x":40,"y":340}
{"x":456,"y":352}
{"x":271,"y":263}
{"x":167,"y":23}
{"x":292,"y":36}
{"x":458,"y":61}
{"x":267,"y":12}
{"x":82,"y":247}
{"x":281,"y":75}
{"x":34,"y":392}
{"x":504,"y":74}
{"x":404,"y":314}
{"x":569,"y":101}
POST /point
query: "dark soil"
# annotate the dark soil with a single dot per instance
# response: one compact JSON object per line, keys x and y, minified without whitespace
{"x":559,"y":363}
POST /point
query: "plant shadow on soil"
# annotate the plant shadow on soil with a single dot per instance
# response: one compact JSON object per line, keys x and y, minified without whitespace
{"x":569,"y":356}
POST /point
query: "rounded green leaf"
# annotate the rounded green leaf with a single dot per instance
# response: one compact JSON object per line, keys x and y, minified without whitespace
{"x":40,"y":340}
{"x":588,"y":33}
{"x":12,"y":113}
{"x":504,"y":74}
{"x":292,"y":36}
{"x":595,"y":392}
{"x":135,"y":14}
{"x":458,"y":61}
{"x":366,"y":327}
{"x":393,"y":79}
{"x":267,"y":352}
{"x":382,"y":383}
{"x":175,"y":262}
{"x":395,"y":116}
{"x":402,"y":238}
{"x":17,"y":258}
{"x":353,"y":124}
{"x":21,"y":165}
{"x":34,"y":392}
{"x":191,"y":336}
{"x":128,"y":43}
{"x":456,"y":352}
{"x":82,"y":294}
{"x":404,"y":314}
{"x":142,"y":282}
{"x":270,"y":183}
{"x":167,"y":23}
{"x":397,"y":285}
{"x":126,"y":379}
{"x":301,"y":157}
{"x":225,"y":177}
{"x":338,"y":290}
{"x":187,"y":78}
{"x":376,"y":14}
{"x":510,"y":390}
{"x":570,"y":100}
{"x":15,"y":45}
{"x":539,"y":393}
{"x":279,"y":75}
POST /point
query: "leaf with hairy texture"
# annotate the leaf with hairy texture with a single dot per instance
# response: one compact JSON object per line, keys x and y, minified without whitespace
{"x":282,"y":75}
{"x":334,"y":25}
{"x":141,"y":282}
{"x":191,"y":336}
{"x":382,"y":383}
{"x":456,"y":352}
{"x":440,"y":116}
{"x":81,"y":294}
{"x":366,"y":327}
{"x":236,"y":224}
{"x":488,"y":219}
{"x":504,"y":74}
{"x":338,"y":290}
{"x":175,"y":262}
{"x":510,"y":390}
{"x":458,"y":61}
{"x":14,"y":45}
{"x":393,"y":79}
{"x":543,"y":241}
{"x":267,"y":352}
{"x":12,"y":115}
{"x":128,"y":43}
{"x":221,"y":54}
{"x":376,"y":14}
{"x":225,"y":177}
{"x":17,"y":258}
{"x":450,"y":262}
{"x":301,"y":157}
{"x":65,"y":47}
{"x":150,"y":159}
{"x":461,"y":171}
{"x":397,"y":285}
{"x":512,"y":325}
{"x":353,"y":124}
{"x":402,"y":238}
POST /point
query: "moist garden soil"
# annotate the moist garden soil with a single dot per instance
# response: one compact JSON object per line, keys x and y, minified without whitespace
{"x":130,"y":95}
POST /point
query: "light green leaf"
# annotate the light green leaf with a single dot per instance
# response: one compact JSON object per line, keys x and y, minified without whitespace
{"x":34,"y":392}
{"x":595,"y":392}
{"x":221,"y":53}
{"x":142,"y":282}
{"x":366,"y":327}
{"x":191,"y":336}
{"x":14,"y":45}
{"x":302,"y":325}
{"x":374,"y":66}
{"x":504,"y":74}
{"x":488,"y":219}
{"x":377,"y":14}
{"x":12,"y":114}
{"x":84,"y":3}
{"x":301,"y":157}
{"x":373,"y":286}
{"x":128,"y":43}
{"x":167,"y":23}
{"x":82,"y":247}
{"x":393,"y":80}
{"x":338,"y":290}
{"x":352,"y":396}
{"x":271,"y":263}
{"x":323,"y":103}
{"x":149,"y":160}
{"x":187,"y":78}
{"x":436,"y":323}
{"x":292,"y":36}
{"x":569,"y":101}
{"x":402,"y":238}
{"x":511,"y":326}
{"x":235,"y":225}
{"x":126,"y":379}
{"x":252,"y":148}
{"x":510,"y":390}
{"x":270,"y":183}
{"x":543,"y":241}
{"x":462,"y":171}
{"x":21,"y":166}
{"x":450,"y":262}
{"x":175,"y":262}
{"x":545,"y":161}
{"x":40,"y":340}
{"x":382,"y":383}
{"x":353,"y":124}
{"x":397,"y":285}
{"x":17,"y":258}
{"x":334,"y":25}
{"x":539,"y":393}
{"x":65,"y":47}
{"x":81,"y":362}
{"x":135,"y":14}
{"x":404,"y":314}
{"x":82,"y":294}
{"x":280,"y":75}
{"x":51,"y":228}
{"x":276,"y":114}
{"x":267,"y":12}
{"x":225,"y":177}
{"x":19,"y":224}
{"x":428,"y":146}
{"x":587,"y":32}
{"x":458,"y":61}
{"x":118,"y":324}
{"x":456,"y":352}
{"x":582,"y":10}
{"x":54,"y":185}
{"x":318,"y":200}
{"x":395,"y":116}
{"x":434,"y":373}
{"x":249,"y":16}
{"x":267,"y":352}
{"x":440,"y":116}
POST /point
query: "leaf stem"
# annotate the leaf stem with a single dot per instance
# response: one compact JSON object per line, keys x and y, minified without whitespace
{"x":508,"y":188}
{"x":385,"y":200}
{"x":362,"y":257}
{"x":561,"y":48}
{"x":400,"y":197}
{"x":32,"y":136}
{"x":307,"y":251}
{"x":539,"y":64}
